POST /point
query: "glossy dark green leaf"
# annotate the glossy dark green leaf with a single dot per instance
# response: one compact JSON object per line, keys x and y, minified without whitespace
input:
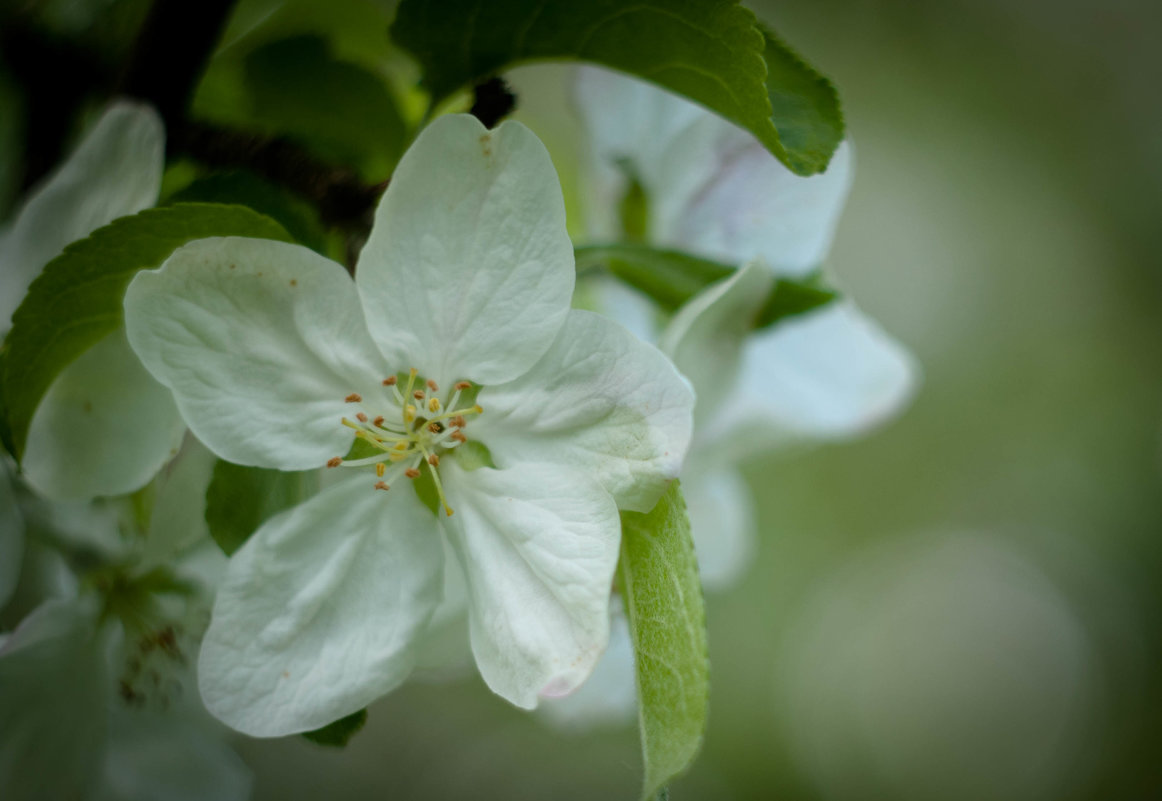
{"x":711,"y":51}
{"x":658,"y":578}
{"x":76,"y":301}
{"x":240,"y":499}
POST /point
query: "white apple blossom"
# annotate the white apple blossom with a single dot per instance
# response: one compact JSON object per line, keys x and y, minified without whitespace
{"x":278,"y":359}
{"x":104,"y":427}
{"x":90,"y":680}
{"x":715,"y":191}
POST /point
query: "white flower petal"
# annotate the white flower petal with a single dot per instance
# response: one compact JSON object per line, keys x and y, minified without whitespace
{"x":154,"y":757}
{"x":104,"y":427}
{"x":179,"y":505}
{"x":469,"y":269}
{"x":116,"y":170}
{"x":538,"y":544}
{"x":826,"y":375}
{"x":706,"y":337}
{"x":601,"y":401}
{"x":260,"y":342}
{"x":608,"y":698}
{"x":754,"y":207}
{"x":11,"y":535}
{"x":319,"y":610}
{"x":53,"y":691}
{"x":722,"y":520}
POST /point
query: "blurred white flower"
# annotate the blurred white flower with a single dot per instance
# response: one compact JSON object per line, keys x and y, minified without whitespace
{"x":278,"y":359}
{"x":104,"y":427}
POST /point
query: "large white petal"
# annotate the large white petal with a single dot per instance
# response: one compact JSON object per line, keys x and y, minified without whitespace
{"x":538,"y":544}
{"x":601,"y":401}
{"x":116,"y":170}
{"x":826,"y":375}
{"x":154,"y":757}
{"x":178,"y":521}
{"x":754,"y":207}
{"x":53,"y":691}
{"x":706,"y":337}
{"x":104,"y":427}
{"x":11,"y":535}
{"x":260,"y":342}
{"x":469,"y":269}
{"x":722,"y":521}
{"x":319,"y":611}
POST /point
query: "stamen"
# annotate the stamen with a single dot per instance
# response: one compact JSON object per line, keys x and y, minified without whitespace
{"x":433,"y":404}
{"x":432,"y":386}
{"x":458,"y":435}
{"x":462,"y":385}
{"x":334,"y":461}
{"x":436,"y":480}
{"x":433,"y":460}
{"x":458,"y":421}
{"x":381,"y":485}
{"x":411,"y":472}
{"x":389,"y":381}
{"x":435,"y":428}
{"x":354,"y":397}
{"x":361,"y":417}
{"x":378,"y":420}
{"x":418,"y":394}
{"x":409,"y":413}
{"x":380,"y":468}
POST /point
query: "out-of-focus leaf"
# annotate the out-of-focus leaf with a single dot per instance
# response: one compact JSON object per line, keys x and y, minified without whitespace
{"x":339,"y":733}
{"x":672,"y":277}
{"x":76,"y":301}
{"x":240,"y":499}
{"x":714,"y":53}
{"x":338,"y":109}
{"x":658,"y":578}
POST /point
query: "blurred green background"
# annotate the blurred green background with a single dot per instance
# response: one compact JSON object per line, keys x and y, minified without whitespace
{"x":966,"y":604}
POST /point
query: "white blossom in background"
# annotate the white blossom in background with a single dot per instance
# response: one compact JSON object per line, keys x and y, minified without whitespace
{"x":96,"y":684}
{"x":278,"y":359}
{"x":104,"y":427}
{"x":715,"y":191}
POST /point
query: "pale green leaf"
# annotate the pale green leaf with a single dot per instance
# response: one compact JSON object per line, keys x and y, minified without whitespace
{"x":76,"y":301}
{"x":713,"y":52}
{"x":658,"y":578}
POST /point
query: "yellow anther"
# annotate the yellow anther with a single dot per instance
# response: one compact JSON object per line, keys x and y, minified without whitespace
{"x":401,"y":446}
{"x":380,"y":467}
{"x":409,"y":413}
{"x":433,"y":404}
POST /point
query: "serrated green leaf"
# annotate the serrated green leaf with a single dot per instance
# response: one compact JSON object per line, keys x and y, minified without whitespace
{"x":240,"y":499}
{"x":340,"y":110}
{"x":76,"y":301}
{"x":337,"y":734}
{"x":713,"y":52}
{"x":672,"y":277}
{"x":658,"y":578}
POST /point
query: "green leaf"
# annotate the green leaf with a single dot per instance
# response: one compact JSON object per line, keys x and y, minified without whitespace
{"x":337,"y":734}
{"x":76,"y":301}
{"x":340,"y":110}
{"x":240,"y":499}
{"x":713,"y":52}
{"x":658,"y":578}
{"x":247,"y":189}
{"x":672,"y":277}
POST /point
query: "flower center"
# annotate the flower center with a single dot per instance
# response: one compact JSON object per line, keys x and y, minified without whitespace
{"x":417,"y":429}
